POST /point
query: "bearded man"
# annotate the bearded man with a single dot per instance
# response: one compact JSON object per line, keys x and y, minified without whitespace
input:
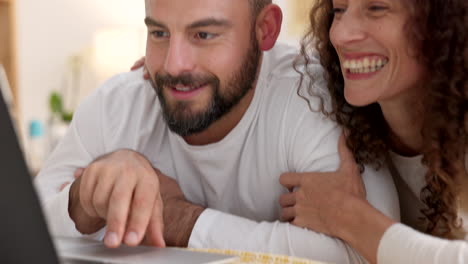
{"x":192,"y":157}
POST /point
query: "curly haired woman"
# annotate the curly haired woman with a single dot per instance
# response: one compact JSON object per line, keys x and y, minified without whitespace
{"x":397,"y":72}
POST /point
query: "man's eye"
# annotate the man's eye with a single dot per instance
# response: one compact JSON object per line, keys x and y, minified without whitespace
{"x":205,"y":35}
{"x":160,"y":34}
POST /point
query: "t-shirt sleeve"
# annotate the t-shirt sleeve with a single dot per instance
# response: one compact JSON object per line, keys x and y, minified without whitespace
{"x":215,"y":229}
{"x":404,"y":245}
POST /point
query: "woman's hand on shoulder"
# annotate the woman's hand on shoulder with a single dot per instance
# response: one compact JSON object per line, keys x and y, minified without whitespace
{"x":317,"y":200}
{"x":138,"y":64}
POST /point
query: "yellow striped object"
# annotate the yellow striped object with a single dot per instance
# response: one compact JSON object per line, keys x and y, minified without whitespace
{"x":246,"y":257}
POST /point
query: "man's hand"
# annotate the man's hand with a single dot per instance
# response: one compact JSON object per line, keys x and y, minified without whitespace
{"x":138,"y":64}
{"x":180,"y":215}
{"x":120,"y":190}
{"x":318,"y":198}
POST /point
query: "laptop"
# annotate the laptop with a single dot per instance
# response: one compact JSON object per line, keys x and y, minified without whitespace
{"x":24,"y":236}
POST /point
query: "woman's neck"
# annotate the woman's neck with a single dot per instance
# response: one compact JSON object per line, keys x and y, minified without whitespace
{"x":404,"y":116}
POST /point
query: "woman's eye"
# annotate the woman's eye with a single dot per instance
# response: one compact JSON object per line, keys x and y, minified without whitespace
{"x":205,"y":35}
{"x":337,"y":10}
{"x":377,"y":8}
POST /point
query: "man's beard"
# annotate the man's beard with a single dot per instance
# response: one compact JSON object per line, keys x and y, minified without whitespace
{"x":182,"y":120}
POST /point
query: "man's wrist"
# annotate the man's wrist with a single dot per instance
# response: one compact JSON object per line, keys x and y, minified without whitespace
{"x":180,"y":217}
{"x":194,"y":213}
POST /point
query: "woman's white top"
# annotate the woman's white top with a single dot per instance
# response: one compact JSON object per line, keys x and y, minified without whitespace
{"x":406,"y":243}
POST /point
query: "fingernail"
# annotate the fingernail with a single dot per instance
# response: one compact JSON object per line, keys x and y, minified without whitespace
{"x":131,"y":238}
{"x":111,"y":239}
{"x":162,"y":243}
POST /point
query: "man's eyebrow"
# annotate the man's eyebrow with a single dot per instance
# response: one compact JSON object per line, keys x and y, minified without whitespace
{"x":151,"y":22}
{"x":210,"y":22}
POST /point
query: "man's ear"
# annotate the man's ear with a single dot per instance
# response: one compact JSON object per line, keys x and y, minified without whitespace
{"x":268,"y":26}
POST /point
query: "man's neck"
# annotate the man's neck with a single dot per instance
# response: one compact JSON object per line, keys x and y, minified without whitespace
{"x":404,"y":116}
{"x":221,"y":128}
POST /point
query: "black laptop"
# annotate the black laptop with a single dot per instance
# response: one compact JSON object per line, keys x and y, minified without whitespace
{"x":23,"y":232}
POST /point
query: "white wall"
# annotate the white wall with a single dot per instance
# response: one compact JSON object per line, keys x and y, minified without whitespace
{"x":286,"y":35}
{"x":49,"y":31}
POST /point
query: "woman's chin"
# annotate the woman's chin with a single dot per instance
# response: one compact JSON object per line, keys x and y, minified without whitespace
{"x":358,"y":99}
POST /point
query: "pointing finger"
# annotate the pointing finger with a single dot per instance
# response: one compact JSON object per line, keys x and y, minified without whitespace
{"x":155,"y":232}
{"x":117,"y":214}
{"x":141,"y":210}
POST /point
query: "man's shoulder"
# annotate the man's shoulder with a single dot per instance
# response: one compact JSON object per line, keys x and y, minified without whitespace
{"x":124,"y":98}
{"x":288,"y":75}
{"x":280,"y":60}
{"x":293,"y":80}
{"x":123,"y":94}
{"x":291,"y":101}
{"x":285,"y":60}
{"x":293,"y":97}
{"x":124,"y":109}
{"x":125,"y":85}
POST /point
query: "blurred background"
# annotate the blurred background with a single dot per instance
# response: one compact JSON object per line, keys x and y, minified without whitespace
{"x":53,"y":53}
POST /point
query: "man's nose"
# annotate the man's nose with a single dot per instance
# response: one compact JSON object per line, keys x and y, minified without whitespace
{"x":179,"y":57}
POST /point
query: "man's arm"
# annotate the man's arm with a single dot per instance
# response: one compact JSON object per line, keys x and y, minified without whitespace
{"x":187,"y":224}
{"x":83,"y":207}
{"x":215,"y":229}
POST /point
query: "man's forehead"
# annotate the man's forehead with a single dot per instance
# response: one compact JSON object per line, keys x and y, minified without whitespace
{"x":195,"y":9}
{"x":184,"y":7}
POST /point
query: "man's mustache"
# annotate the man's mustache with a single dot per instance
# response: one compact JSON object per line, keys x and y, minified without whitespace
{"x":185,"y":80}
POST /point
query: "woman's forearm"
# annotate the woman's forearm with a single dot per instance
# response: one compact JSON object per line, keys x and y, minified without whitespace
{"x":362,"y":226}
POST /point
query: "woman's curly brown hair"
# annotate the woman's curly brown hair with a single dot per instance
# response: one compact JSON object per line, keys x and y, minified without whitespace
{"x":439,"y":30}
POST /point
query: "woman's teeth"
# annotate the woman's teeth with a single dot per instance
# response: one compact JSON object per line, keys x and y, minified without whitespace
{"x":365,"y":65}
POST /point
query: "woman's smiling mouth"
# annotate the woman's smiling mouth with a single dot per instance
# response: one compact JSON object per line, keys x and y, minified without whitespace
{"x":362,"y":67}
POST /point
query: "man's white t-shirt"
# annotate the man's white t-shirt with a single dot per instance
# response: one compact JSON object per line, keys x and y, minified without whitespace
{"x":237,"y":178}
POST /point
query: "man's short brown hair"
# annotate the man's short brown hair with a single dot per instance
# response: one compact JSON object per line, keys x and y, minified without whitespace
{"x":258,"y":5}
